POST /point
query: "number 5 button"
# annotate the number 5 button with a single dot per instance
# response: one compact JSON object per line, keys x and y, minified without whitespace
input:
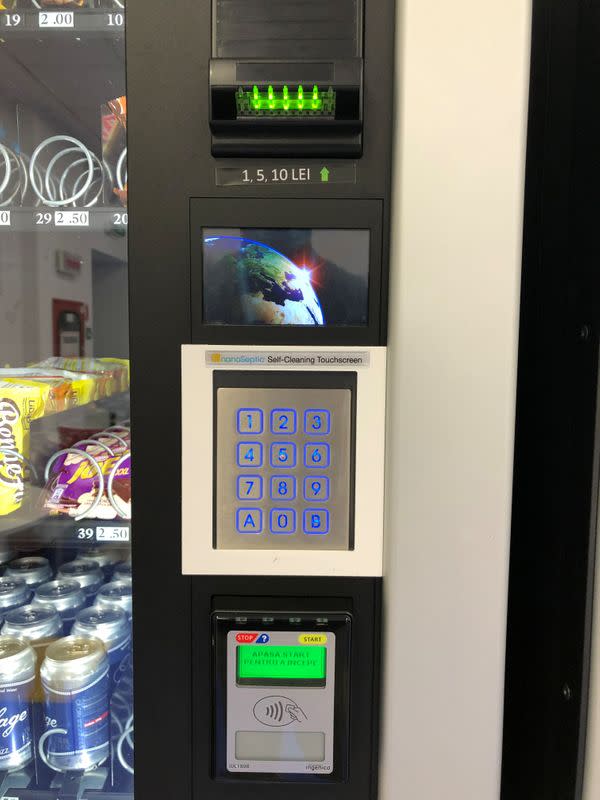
{"x":317,"y":421}
{"x":283,"y":454}
{"x":316,"y":488}
{"x":249,"y":454}
{"x":316,"y":455}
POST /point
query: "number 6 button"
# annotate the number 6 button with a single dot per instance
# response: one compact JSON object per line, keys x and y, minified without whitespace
{"x":283,"y":420}
{"x":316,"y":456}
{"x":317,"y":421}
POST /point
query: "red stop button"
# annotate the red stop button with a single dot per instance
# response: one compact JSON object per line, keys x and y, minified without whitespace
{"x":246,"y":638}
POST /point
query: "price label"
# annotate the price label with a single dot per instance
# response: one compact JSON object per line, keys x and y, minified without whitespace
{"x":56,"y":19}
{"x":73,"y":219}
{"x":112,"y":534}
{"x":4,"y":217}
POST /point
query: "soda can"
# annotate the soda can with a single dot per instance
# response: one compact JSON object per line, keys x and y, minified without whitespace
{"x":117,"y":594}
{"x":122,"y":571}
{"x":34,"y":570}
{"x":6,"y":553}
{"x":111,"y":626}
{"x":14,"y":592}
{"x":36,"y":624}
{"x":17,"y":676}
{"x":74,"y":676}
{"x":86,"y":572}
{"x":105,"y":558}
{"x":65,"y":595}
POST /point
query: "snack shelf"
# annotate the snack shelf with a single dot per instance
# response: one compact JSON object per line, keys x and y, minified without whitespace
{"x":61,"y":22}
{"x":112,"y":219}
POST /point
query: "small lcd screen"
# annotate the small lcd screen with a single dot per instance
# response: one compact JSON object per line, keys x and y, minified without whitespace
{"x":279,"y":746}
{"x":281,"y":665}
{"x":285,"y":276}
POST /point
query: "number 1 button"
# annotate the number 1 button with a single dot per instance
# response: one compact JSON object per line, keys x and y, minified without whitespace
{"x":249,"y":420}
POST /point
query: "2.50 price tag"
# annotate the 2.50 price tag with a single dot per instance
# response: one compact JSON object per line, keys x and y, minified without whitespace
{"x":73,"y":219}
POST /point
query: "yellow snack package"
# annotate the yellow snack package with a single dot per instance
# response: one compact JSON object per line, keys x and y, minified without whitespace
{"x":103,"y":374}
{"x":19,"y":404}
{"x":124,"y":363}
{"x":58,"y":386}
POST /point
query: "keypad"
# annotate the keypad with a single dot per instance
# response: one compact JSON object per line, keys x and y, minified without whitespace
{"x":283,"y":468}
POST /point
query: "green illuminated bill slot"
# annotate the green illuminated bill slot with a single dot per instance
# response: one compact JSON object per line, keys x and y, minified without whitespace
{"x":289,"y":101}
{"x":281,"y":665}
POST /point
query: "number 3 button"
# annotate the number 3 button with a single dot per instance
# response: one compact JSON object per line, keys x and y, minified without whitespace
{"x":317,"y":421}
{"x":316,"y":455}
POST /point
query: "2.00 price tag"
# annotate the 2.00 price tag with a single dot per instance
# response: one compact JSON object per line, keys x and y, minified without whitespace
{"x":56,"y":19}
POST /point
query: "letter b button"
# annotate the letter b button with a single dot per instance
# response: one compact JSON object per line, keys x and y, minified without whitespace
{"x":315,"y":521}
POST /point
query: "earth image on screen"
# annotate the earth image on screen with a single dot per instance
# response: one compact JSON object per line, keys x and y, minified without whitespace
{"x":247,"y":282}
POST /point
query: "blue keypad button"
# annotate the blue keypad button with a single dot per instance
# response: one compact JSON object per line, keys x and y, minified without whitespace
{"x":282,"y":520}
{"x":283,"y":487}
{"x":315,"y":521}
{"x":316,"y":488}
{"x":249,"y":420}
{"x":283,"y":421}
{"x":249,"y":520}
{"x":283,"y":455}
{"x":317,"y":455}
{"x":317,"y":422}
{"x":249,"y":487}
{"x":249,"y":454}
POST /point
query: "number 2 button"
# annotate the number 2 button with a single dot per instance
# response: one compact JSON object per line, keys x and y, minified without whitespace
{"x":316,"y":455}
{"x":249,"y":454}
{"x":249,"y":420}
{"x":283,"y":420}
{"x":317,"y":421}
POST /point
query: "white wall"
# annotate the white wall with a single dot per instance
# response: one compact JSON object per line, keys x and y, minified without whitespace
{"x":462,"y":77}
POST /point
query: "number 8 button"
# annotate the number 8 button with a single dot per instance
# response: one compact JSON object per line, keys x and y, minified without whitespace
{"x":317,"y":455}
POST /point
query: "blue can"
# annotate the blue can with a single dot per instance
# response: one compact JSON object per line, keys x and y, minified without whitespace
{"x":34,"y":570}
{"x":87,"y":573}
{"x":38,"y":625}
{"x":116,"y":594}
{"x":75,"y":684}
{"x":122,"y":571}
{"x":111,"y":626}
{"x":64,"y":595}
{"x":17,"y":676}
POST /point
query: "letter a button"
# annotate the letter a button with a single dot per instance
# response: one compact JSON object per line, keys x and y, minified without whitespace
{"x":249,"y":520}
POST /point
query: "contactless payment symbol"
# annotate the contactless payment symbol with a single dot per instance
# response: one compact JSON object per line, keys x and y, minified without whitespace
{"x":277,"y":712}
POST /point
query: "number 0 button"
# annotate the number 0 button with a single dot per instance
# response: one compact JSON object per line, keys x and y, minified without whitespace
{"x":249,"y":420}
{"x":317,"y":455}
{"x":317,"y":422}
{"x":283,"y":420}
{"x":249,"y":454}
{"x":283,"y":520}
{"x":283,"y":454}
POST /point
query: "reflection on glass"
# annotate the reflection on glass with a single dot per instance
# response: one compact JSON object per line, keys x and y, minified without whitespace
{"x":66,"y":679}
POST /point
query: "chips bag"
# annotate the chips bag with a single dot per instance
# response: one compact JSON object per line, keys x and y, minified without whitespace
{"x":19,"y":404}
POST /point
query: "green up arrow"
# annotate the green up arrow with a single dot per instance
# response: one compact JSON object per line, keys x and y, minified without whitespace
{"x":324,"y":175}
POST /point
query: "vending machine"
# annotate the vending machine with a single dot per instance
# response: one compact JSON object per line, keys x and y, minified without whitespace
{"x":276,"y":243}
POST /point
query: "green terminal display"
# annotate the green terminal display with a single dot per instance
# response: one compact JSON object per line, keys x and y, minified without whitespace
{"x":285,"y":102}
{"x":281,"y":665}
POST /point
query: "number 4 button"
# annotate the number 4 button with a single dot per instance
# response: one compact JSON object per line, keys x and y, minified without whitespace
{"x":249,"y":454}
